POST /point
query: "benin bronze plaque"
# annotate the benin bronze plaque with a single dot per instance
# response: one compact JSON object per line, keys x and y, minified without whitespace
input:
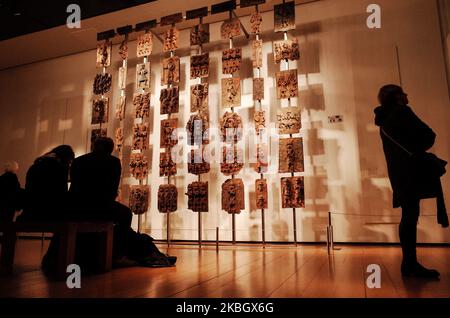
{"x":261,"y":194}
{"x":230,"y":29}
{"x":198,"y":196}
{"x":291,"y":155}
{"x":141,"y":103}
{"x":104,"y":54}
{"x":199,"y":98}
{"x":167,"y":198}
{"x":171,"y":40}
{"x":284,"y":17}
{"x":200,"y":34}
{"x":168,"y":136}
{"x":196,"y":162}
{"x":231,"y":92}
{"x":289,"y":120}
{"x":123,"y":50}
{"x":118,"y":139}
{"x":258,"y":88}
{"x":232,"y":160}
{"x":100,"y":108}
{"x":167,"y":167}
{"x":286,"y":50}
{"x":292,"y":192}
{"x":143,"y":76}
{"x":255,"y":23}
{"x":231,"y":128}
{"x":171,"y":70}
{"x":231,"y":60}
{"x":97,"y":133}
{"x":140,"y":136}
{"x":197,"y":130}
{"x":139,"y":166}
{"x":262,"y":158}
{"x":169,"y":99}
{"x":122,"y":78}
{"x":257,"y":53}
{"x":144,"y":44}
{"x":139,"y":197}
{"x":102,"y":84}
{"x":287,"y":84}
{"x":200,"y":65}
{"x":260,"y":120}
{"x":233,"y":196}
{"x":120,"y":108}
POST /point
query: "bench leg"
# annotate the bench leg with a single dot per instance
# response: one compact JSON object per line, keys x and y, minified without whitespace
{"x":105,"y":248}
{"x":8,"y":250}
{"x":66,"y":253}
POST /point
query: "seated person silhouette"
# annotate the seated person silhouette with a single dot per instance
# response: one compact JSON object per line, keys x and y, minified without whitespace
{"x":95,"y":179}
{"x":11,"y":194}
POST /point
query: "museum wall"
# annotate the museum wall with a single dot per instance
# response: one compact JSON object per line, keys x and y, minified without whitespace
{"x":342,"y":66}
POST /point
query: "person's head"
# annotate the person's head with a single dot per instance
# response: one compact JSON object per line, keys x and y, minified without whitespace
{"x":391,"y":94}
{"x":12,"y":167}
{"x":63,"y":154}
{"x":103,"y":146}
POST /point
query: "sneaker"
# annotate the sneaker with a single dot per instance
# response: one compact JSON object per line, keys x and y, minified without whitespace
{"x":156,"y":262}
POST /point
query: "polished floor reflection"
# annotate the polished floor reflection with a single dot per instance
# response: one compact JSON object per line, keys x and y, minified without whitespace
{"x":242,"y":271}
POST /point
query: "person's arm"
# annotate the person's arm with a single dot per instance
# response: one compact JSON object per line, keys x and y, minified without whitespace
{"x":424,"y":136}
{"x":117,"y":172}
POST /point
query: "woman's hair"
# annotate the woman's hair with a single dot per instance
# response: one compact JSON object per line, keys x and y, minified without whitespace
{"x":103,"y":146}
{"x":389,"y":94}
{"x":64,"y":153}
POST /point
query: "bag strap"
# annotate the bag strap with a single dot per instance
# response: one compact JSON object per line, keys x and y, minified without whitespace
{"x":396,"y":142}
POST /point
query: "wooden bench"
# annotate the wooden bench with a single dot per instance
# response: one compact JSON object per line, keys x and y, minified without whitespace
{"x":68,"y":234}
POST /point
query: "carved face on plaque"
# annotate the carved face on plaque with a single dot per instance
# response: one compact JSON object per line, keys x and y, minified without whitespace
{"x":287,"y":84}
{"x":171,"y":70}
{"x":284,"y":17}
{"x":233,"y":196}
{"x":143,"y":75}
{"x":258,"y":88}
{"x":197,"y":130}
{"x":123,"y":50}
{"x":100,"y":108}
{"x":168,"y":133}
{"x":200,"y":65}
{"x":199,"y":98}
{"x":232,"y":160}
{"x":120,"y":108}
{"x":169,"y":99}
{"x":122,"y":77}
{"x":230,"y":29}
{"x":144,"y":45}
{"x":102,"y":84}
{"x":118,"y":139}
{"x":286,"y":50}
{"x":261,"y":194}
{"x":167,"y":198}
{"x":104,"y":54}
{"x":198,"y":196}
{"x":171,"y":39}
{"x":231,"y":92}
{"x":291,"y":155}
{"x":140,"y":136}
{"x":231,"y":60}
{"x":139,"y":166}
{"x":139,"y":197}
{"x":200,"y":34}
{"x":255,"y":23}
{"x":167,"y":167}
{"x":197,"y":164}
{"x":97,"y":133}
{"x":292,"y":192}
{"x":260,"y":120}
{"x":289,"y":120}
{"x":141,"y":103}
{"x":257,"y":53}
{"x":231,"y":127}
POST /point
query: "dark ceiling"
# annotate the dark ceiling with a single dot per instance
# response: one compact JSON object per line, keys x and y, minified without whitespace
{"x":20,"y":17}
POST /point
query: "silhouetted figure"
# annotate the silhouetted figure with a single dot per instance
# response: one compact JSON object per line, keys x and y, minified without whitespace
{"x":404,"y":137}
{"x":95,"y":179}
{"x":11,"y":194}
{"x":46,"y":187}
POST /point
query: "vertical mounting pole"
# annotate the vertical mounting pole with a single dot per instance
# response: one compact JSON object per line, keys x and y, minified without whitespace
{"x":199,"y":229}
{"x":263,"y":228}
{"x":217,"y":239}
{"x":168,"y":229}
{"x":233,"y":220}
{"x":294,"y":214}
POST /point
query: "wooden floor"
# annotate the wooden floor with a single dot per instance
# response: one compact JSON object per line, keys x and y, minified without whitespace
{"x":242,"y":271}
